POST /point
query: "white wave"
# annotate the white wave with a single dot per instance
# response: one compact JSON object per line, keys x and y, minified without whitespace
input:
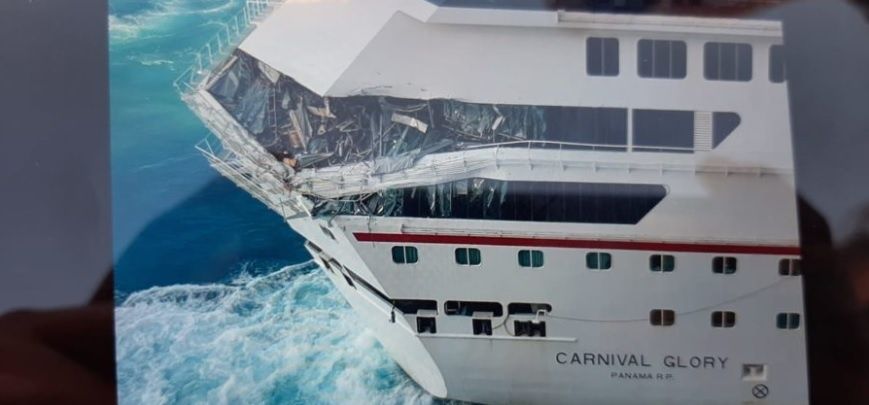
{"x":283,"y":337}
{"x":124,"y":28}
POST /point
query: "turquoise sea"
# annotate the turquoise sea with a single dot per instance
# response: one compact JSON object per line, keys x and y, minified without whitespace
{"x":216,"y":300}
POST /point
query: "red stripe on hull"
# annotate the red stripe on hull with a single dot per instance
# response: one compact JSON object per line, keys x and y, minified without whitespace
{"x":577,"y":243}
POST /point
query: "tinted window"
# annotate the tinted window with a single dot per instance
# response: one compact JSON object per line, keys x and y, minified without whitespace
{"x":723,"y":123}
{"x":527,"y":308}
{"x":787,"y":320}
{"x":789,"y":267}
{"x":530,"y":258}
{"x":467,"y":308}
{"x":727,"y":61}
{"x":404,"y":254}
{"x":413,"y":306}
{"x":468,"y":256}
{"x":723,"y":319}
{"x":662,"y":317}
{"x":602,"y":56}
{"x":777,"y":73}
{"x":661,"y":59}
{"x":613,"y":203}
{"x":664,"y":130}
{"x":662,"y":263}
{"x":598,"y":261}
{"x":606,"y":126}
{"x":724,"y":265}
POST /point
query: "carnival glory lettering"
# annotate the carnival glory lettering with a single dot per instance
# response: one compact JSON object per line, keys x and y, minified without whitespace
{"x":640,"y":360}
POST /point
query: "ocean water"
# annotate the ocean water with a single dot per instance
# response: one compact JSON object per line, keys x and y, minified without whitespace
{"x":284,"y":337}
{"x":216,"y":300}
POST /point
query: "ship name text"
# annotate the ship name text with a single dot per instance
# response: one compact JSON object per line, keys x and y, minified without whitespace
{"x":640,"y":360}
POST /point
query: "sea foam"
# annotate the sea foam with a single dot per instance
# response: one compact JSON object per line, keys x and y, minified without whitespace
{"x":284,"y":337}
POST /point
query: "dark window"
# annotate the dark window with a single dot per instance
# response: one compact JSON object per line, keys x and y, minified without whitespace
{"x":777,"y":71}
{"x":724,"y":265}
{"x":467,"y":308}
{"x":602,"y":56}
{"x":661,"y":59}
{"x":404,"y":254}
{"x":413,"y":306}
{"x":468,"y":256}
{"x":482,"y":326}
{"x":727,"y":61}
{"x":723,"y":123}
{"x":527,"y":308}
{"x":530,"y":258}
{"x":662,"y":317}
{"x":332,"y":264}
{"x":349,"y":280}
{"x":723,"y":319}
{"x":586,"y":125}
{"x":664,"y":130}
{"x":426,"y":325}
{"x":789,"y":267}
{"x":529,"y":328}
{"x":612,"y":203}
{"x":598,"y":261}
{"x":662,"y":263}
{"x":787,"y":320}
{"x":313,"y":246}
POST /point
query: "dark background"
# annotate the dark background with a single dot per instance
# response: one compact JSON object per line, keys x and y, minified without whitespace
{"x":55,"y":213}
{"x":55,"y":231}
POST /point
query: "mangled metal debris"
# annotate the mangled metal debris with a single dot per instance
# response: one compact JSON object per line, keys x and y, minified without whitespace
{"x":303,"y":130}
{"x":285,"y":116}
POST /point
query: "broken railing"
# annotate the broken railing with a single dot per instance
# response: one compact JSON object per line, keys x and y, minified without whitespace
{"x":257,"y":181}
{"x":222,"y":43}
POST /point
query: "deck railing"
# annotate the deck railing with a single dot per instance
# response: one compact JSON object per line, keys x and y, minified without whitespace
{"x":222,"y":43}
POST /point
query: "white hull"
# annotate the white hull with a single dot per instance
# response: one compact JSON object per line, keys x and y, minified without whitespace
{"x":628,"y":333}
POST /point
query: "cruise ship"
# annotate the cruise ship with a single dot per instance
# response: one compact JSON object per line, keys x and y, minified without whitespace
{"x":528,"y":203}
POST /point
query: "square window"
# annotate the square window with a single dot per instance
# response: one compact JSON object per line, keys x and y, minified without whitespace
{"x":468,"y":256}
{"x":724,"y":265}
{"x":482,"y":326}
{"x":661,"y":59}
{"x":602,"y":56}
{"x":789,"y":267}
{"x":723,"y":319}
{"x":662,"y":317}
{"x":530,"y":258}
{"x":598,"y":261}
{"x":426,"y":325}
{"x":404,"y":254}
{"x":529,"y":328}
{"x":727,"y":61}
{"x":787,"y":320}
{"x":662,"y":263}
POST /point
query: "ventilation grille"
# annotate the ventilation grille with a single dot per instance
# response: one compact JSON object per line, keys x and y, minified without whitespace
{"x":702,"y":130}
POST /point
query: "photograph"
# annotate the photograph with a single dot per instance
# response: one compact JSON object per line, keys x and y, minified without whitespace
{"x":434,"y":202}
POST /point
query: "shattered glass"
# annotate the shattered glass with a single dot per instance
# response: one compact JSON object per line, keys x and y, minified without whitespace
{"x":393,"y":133}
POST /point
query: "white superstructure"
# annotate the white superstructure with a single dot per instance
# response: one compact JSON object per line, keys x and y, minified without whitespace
{"x":530,"y":205}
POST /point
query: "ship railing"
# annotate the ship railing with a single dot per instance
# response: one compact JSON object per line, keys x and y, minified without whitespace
{"x":340,"y":181}
{"x":250,"y":178}
{"x":216,"y":49}
{"x":562,"y":145}
{"x":228,"y":130}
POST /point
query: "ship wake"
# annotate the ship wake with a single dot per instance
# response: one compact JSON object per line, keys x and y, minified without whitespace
{"x":283,"y":337}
